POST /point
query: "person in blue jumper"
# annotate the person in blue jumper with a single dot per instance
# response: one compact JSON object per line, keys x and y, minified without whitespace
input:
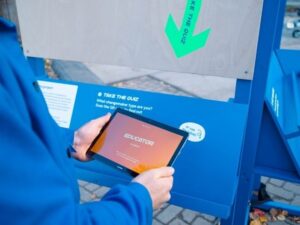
{"x":37,"y":182}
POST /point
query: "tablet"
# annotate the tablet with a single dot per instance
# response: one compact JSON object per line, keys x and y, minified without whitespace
{"x":135,"y":144}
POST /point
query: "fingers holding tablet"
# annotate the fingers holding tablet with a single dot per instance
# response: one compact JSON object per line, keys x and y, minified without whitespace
{"x":159,"y":183}
{"x":85,"y":135}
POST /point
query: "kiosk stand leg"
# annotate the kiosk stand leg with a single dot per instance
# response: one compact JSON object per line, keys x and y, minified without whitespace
{"x":271,"y":25}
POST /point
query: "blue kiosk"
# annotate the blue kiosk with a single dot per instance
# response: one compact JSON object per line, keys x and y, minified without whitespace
{"x":256,"y":134}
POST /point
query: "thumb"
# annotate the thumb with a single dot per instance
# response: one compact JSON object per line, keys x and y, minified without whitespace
{"x":101,"y":121}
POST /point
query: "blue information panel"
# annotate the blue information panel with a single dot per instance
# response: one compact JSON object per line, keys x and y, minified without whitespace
{"x":283,"y":99}
{"x":206,"y":170}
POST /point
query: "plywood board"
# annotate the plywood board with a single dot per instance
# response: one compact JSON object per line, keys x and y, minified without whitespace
{"x":133,"y":33}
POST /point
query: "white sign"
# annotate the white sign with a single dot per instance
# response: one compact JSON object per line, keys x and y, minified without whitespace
{"x":60,"y":99}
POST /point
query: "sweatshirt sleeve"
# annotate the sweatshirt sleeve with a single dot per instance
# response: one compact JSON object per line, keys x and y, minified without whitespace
{"x":123,"y":204}
{"x":35,"y":189}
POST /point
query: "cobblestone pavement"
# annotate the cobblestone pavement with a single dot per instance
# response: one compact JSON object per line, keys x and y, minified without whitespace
{"x":174,"y":215}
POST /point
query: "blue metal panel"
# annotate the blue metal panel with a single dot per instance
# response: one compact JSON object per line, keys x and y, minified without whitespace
{"x":272,"y":158}
{"x":282,"y":99}
{"x":206,"y":171}
{"x":289,"y":60}
{"x":282,"y":88}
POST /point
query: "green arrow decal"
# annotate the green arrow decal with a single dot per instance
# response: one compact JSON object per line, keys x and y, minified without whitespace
{"x":183,"y":42}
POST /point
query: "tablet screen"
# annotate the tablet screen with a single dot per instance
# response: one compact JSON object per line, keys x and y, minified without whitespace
{"x":136,"y":143}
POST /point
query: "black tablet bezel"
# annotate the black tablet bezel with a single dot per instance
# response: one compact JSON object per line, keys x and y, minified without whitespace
{"x":94,"y":155}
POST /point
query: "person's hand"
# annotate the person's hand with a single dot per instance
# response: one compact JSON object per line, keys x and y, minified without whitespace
{"x":158,"y":182}
{"x":85,"y":135}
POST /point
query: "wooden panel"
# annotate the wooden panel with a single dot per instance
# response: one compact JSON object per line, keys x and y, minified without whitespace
{"x":132,"y":33}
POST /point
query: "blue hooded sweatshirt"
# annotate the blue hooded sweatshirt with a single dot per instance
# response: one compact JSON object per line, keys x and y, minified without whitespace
{"x":37,"y":181}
